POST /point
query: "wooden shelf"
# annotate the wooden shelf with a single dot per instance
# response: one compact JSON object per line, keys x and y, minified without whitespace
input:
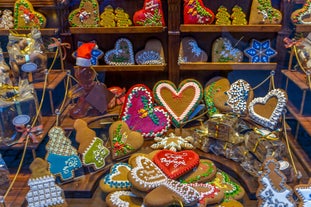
{"x":47,"y":122}
{"x":118,"y":68}
{"x":114,"y":30}
{"x":227,"y":66}
{"x":304,"y":121}
{"x":303,"y":27}
{"x":45,"y":31}
{"x":230,"y":28}
{"x":54,"y":78}
{"x":299,"y":78}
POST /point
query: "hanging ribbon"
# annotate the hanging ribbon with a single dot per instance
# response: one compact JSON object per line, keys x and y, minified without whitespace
{"x":292,"y":42}
{"x":32,"y":132}
{"x":62,"y":46}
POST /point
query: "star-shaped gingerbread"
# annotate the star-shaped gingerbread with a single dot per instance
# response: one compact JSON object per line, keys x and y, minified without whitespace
{"x":173,"y":142}
{"x":96,"y":54}
{"x":260,"y":52}
{"x":303,"y":191}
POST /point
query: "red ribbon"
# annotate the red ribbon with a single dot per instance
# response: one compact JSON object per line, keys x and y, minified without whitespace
{"x":32,"y":132}
{"x":291,"y":42}
{"x":60,"y":45}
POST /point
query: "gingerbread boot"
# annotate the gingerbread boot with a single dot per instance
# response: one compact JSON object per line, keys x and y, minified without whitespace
{"x":196,"y":13}
{"x":150,"y":15}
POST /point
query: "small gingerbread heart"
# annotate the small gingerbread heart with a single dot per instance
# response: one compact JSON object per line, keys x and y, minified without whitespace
{"x":25,"y":17}
{"x":123,"y":198}
{"x":150,"y":15}
{"x":124,"y":141}
{"x":189,"y":51}
{"x":179,"y":101}
{"x":176,"y":164}
{"x":116,"y":179}
{"x":267,"y":110}
{"x":87,"y":15}
{"x":223,"y":51}
{"x":122,"y":54}
{"x":153,"y":54}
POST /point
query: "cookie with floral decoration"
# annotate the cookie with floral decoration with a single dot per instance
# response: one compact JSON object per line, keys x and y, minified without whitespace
{"x":262,"y":12}
{"x":86,"y":15}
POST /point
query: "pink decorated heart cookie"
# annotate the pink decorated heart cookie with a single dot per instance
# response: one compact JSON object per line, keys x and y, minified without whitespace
{"x":141,"y":115}
{"x":176,"y":164}
{"x":123,"y":141}
{"x":179,"y":102}
{"x":150,"y":15}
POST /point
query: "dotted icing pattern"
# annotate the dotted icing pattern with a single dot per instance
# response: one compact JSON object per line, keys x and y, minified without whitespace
{"x":122,"y":54}
{"x":111,"y":180}
{"x":238,"y":95}
{"x":260,"y":52}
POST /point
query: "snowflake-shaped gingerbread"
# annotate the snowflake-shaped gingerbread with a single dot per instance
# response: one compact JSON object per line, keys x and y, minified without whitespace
{"x":173,"y":142}
{"x":260,"y":52}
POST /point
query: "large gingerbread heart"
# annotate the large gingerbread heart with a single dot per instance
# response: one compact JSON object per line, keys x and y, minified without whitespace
{"x":123,"y":141}
{"x":116,"y":179}
{"x":179,"y":102}
{"x":189,"y":51}
{"x":87,"y":15}
{"x":223,"y":51}
{"x":176,"y":164}
{"x":141,"y":115}
{"x":25,"y":17}
{"x":145,"y":175}
{"x":122,"y":54}
{"x":153,"y":54}
{"x":267,"y":110}
{"x":123,"y":198}
{"x":150,"y":15}
{"x":302,"y":16}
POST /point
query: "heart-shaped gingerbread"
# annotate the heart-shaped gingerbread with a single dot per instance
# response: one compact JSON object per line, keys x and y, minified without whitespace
{"x":179,"y":102}
{"x":172,"y":192}
{"x":153,"y":54}
{"x":262,"y":12}
{"x":189,"y":51}
{"x":302,"y":16}
{"x":123,"y":198}
{"x":25,"y":17}
{"x":87,"y":15}
{"x":132,"y":158}
{"x":141,"y":115}
{"x":116,"y":179}
{"x":122,"y":54}
{"x":223,"y":51}
{"x":145,"y":175}
{"x":123,"y":141}
{"x":150,"y":15}
{"x":267,"y":110}
{"x":176,"y":164}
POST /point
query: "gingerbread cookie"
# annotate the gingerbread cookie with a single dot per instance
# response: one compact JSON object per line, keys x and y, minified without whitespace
{"x":107,"y":18}
{"x":116,"y":179}
{"x":262,"y":12}
{"x":230,"y":203}
{"x":122,"y":54}
{"x":25,"y":17}
{"x":124,"y":141}
{"x":61,"y":155}
{"x":152,"y":54}
{"x":267,"y":110}
{"x":176,"y":164}
{"x":189,"y":51}
{"x":273,"y":189}
{"x":43,"y":190}
{"x":260,"y":52}
{"x":172,"y":192}
{"x":122,"y":18}
{"x":123,"y":198}
{"x":209,"y":194}
{"x":87,"y":15}
{"x":223,"y":51}
{"x":179,"y":101}
{"x":140,"y":113}
{"x":303,"y":192}
{"x":150,"y":15}
{"x":302,"y":16}
{"x":222,"y":16}
{"x":231,"y":189}
{"x":204,"y":172}
{"x":173,"y":142}
{"x":7,"y":19}
{"x":238,"y":16}
{"x":195,"y":12}
{"x":150,"y":156}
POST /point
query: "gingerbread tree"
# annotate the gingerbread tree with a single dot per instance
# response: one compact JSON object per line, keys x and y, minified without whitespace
{"x":222,"y":16}
{"x":273,"y":190}
{"x":238,"y":16}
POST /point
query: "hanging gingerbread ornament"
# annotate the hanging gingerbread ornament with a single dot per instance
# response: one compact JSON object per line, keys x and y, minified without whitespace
{"x":196,"y":13}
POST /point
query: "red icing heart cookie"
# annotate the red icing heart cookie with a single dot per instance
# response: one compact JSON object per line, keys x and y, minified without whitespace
{"x":123,"y":141}
{"x":141,"y":115}
{"x":150,"y":15}
{"x":179,"y":102}
{"x":176,"y":164}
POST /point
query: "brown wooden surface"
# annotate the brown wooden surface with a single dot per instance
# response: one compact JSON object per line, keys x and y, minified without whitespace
{"x":113,"y":30}
{"x":47,"y":123}
{"x":305,"y":121}
{"x":45,"y":31}
{"x":227,"y":66}
{"x":299,"y":78}
{"x":303,"y":28}
{"x":55,"y":77}
{"x":120,"y":68}
{"x":230,"y":28}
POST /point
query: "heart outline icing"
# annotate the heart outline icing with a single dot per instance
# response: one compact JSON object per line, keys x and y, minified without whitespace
{"x":272,"y":121}
{"x":174,"y":102}
{"x":141,"y":115}
{"x":122,"y":54}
